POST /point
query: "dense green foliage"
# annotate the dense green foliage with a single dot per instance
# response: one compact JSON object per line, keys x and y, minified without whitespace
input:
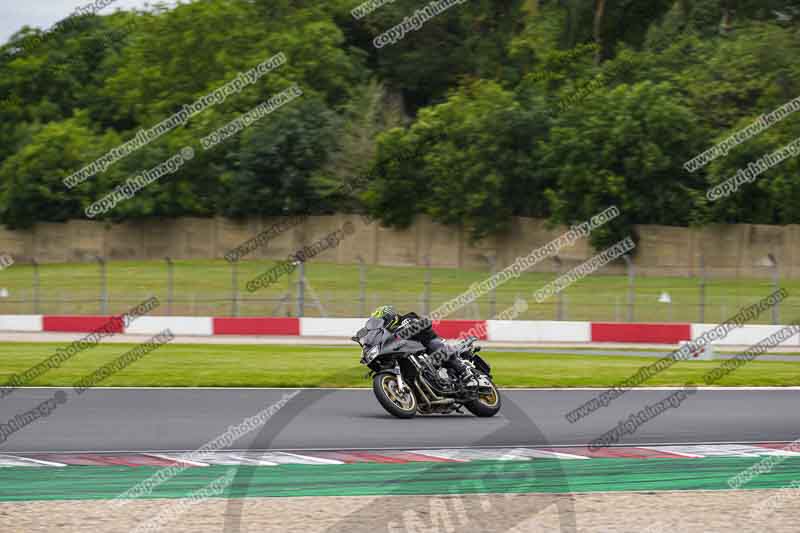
{"x":493,"y":109}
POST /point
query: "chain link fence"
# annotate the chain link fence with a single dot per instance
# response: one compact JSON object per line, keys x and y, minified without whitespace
{"x":216,"y":288}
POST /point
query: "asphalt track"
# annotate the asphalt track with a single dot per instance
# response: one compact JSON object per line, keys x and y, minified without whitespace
{"x":185,"y":419}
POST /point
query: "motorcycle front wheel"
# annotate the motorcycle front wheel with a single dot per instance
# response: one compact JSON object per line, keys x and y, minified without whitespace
{"x":397,"y":403}
{"x":487,"y":404}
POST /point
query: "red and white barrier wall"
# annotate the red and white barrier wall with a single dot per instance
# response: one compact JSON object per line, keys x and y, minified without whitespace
{"x":640,"y":332}
{"x":493,"y":330}
{"x":21,"y":323}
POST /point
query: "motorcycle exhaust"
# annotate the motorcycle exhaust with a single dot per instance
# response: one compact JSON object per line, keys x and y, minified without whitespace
{"x":444,"y":401}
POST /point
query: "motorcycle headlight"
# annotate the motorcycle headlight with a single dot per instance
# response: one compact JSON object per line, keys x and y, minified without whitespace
{"x":371,"y":353}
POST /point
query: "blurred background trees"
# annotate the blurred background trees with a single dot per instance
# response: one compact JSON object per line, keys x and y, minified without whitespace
{"x":461,"y":120}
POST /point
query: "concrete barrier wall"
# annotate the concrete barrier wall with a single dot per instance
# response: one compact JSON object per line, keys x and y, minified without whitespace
{"x":724,"y":250}
{"x":180,"y":325}
{"x":21,"y":323}
{"x":744,"y":336}
{"x":636,"y":333}
{"x":330,"y":327}
{"x":538,"y":331}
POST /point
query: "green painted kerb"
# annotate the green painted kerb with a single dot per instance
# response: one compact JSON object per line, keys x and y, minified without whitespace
{"x":544,"y":475}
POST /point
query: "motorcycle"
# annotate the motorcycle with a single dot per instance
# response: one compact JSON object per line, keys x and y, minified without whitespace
{"x":406,"y":380}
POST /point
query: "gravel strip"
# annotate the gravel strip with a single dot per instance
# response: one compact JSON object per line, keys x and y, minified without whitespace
{"x":653,"y":512}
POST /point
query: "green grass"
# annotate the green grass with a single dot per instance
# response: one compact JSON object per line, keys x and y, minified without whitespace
{"x":204,"y":288}
{"x":657,"y":352}
{"x":185,"y":365}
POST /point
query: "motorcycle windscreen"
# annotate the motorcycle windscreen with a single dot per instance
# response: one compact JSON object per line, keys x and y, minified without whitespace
{"x":374,"y":323}
{"x":370,"y":334}
{"x":376,"y":337}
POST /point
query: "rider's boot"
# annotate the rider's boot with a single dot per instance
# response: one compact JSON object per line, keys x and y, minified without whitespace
{"x":462,"y":370}
{"x":467,"y":377}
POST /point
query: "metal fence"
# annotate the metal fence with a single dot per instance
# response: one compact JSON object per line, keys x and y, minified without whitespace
{"x":617,"y":294}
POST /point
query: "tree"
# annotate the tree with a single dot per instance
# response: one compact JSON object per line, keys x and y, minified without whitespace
{"x":274,"y":168}
{"x":599,"y":15}
{"x":624,"y":147}
{"x":773,"y":197}
{"x":344,"y":177}
{"x":469,"y":162}
{"x":32,"y":189}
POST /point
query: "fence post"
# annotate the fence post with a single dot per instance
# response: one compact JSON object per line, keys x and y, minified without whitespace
{"x":362,"y":286}
{"x":560,"y":295}
{"x":702,"y":290}
{"x":103,"y":286}
{"x":287,"y":297}
{"x":170,"y":284}
{"x":631,"y":287}
{"x":301,"y":295}
{"x":426,"y":295}
{"x":492,"y":260}
{"x":776,"y":281}
{"x":35,"y":287}
{"x":235,"y":288}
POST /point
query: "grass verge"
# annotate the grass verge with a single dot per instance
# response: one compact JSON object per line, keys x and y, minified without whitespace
{"x":198,"y":365}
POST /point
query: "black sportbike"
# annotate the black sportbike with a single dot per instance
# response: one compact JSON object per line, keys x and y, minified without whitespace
{"x":407,"y":381}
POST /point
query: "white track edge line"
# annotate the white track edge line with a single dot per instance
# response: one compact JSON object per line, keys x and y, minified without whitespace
{"x":174,"y":459}
{"x":406,"y":448}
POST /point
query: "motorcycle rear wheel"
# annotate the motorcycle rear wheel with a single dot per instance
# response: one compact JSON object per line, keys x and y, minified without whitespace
{"x":386,"y":389}
{"x":486,"y":405}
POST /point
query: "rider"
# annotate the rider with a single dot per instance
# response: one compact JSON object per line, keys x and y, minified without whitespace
{"x":421,"y":331}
